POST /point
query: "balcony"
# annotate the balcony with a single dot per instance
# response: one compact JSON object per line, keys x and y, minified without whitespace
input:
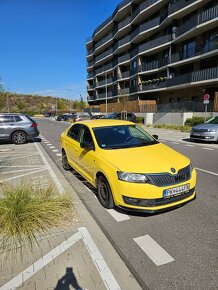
{"x":122,"y":42}
{"x":146,"y":26}
{"x":198,"y":19}
{"x":149,"y":66}
{"x":122,"y":92}
{"x":89,"y":64}
{"x":153,"y":86}
{"x":197,"y":76}
{"x":103,"y":40}
{"x":124,"y":75}
{"x":154,"y":43}
{"x":90,"y":87}
{"x":104,"y":68}
{"x":122,"y":24}
{"x":90,"y":75}
{"x":179,"y":5}
{"x":124,"y":58}
{"x":103,"y":95}
{"x":142,"y":7}
{"x":103,"y":55}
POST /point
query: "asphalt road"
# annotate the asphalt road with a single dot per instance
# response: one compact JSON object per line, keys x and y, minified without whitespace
{"x":184,"y":241}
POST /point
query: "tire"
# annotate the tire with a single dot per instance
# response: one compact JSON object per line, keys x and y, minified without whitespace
{"x":66,"y":166}
{"x":104,"y":192}
{"x":19,"y":137}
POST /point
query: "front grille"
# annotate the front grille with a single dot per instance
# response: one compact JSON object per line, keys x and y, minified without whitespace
{"x":165,"y":179}
{"x":157,"y":201}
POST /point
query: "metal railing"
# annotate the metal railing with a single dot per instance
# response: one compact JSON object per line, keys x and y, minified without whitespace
{"x":143,"y":6}
{"x":104,"y":54}
{"x":103,"y":40}
{"x":154,"y":43}
{"x":179,"y":5}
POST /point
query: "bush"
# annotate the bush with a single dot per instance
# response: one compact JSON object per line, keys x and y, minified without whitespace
{"x":26,"y":212}
{"x":140,"y":120}
{"x":194,"y":121}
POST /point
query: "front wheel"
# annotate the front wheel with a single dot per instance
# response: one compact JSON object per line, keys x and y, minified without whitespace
{"x":66,"y":166}
{"x":19,"y":137}
{"x":104,"y":192}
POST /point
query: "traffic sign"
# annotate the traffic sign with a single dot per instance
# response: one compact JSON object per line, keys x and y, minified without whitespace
{"x":206,"y":102}
{"x":206,"y":97}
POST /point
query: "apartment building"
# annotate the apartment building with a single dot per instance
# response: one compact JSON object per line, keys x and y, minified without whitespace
{"x":160,"y":50}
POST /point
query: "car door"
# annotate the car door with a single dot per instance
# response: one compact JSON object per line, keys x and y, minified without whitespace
{"x":87,"y":157}
{"x":7,"y":123}
{"x":71,"y":145}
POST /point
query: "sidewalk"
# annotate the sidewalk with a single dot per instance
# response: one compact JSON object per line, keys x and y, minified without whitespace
{"x":80,"y":257}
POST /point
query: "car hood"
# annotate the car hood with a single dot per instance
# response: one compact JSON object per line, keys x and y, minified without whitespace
{"x":147,"y":159}
{"x":205,"y":126}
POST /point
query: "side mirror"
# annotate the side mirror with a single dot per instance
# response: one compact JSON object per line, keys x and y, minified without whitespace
{"x":155,"y":136}
{"x":87,"y":146}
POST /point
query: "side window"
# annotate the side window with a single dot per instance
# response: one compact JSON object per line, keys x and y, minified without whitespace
{"x":18,"y":118}
{"x":74,"y":132}
{"x":5,"y":119}
{"x":86,"y":135}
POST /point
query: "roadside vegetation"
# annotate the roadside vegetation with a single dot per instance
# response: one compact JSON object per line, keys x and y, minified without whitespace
{"x":189,"y":123}
{"x":27,"y":213}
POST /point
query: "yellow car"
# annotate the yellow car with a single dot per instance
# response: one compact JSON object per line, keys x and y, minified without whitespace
{"x":128,"y":166}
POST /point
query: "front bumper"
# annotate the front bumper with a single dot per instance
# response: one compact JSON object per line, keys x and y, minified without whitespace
{"x":207,"y":136}
{"x":150,"y":198}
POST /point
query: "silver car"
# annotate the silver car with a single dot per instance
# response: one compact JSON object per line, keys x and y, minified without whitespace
{"x":207,"y":131}
{"x":17,"y":128}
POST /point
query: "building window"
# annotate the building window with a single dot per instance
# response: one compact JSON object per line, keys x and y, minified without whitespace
{"x":134,"y":64}
{"x":188,"y":49}
{"x":133,"y":83}
{"x":210,"y":42}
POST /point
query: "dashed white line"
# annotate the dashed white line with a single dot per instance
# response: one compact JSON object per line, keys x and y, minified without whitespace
{"x":55,"y":150}
{"x":119,"y":217}
{"x":153,"y":250}
{"x":58,"y":154}
{"x":174,"y":142}
{"x":189,"y":145}
{"x":52,"y":147}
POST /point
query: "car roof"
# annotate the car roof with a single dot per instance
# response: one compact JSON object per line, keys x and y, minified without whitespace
{"x":94,"y":123}
{"x":9,"y":114}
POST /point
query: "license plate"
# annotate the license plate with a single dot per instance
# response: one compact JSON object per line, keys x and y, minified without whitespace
{"x":196,"y":134}
{"x":176,"y":190}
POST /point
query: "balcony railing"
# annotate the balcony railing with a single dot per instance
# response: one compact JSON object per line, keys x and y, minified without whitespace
{"x":124,"y":23}
{"x":142,"y":7}
{"x":124,"y":75}
{"x":104,"y":68}
{"x":122,"y":42}
{"x":146,"y":26}
{"x":198,"y":19}
{"x":103,"y":40}
{"x":90,"y":75}
{"x":154,"y":43}
{"x":122,"y":92}
{"x":103,"y":95}
{"x":123,"y":58}
{"x":104,"y":54}
{"x":89,"y":64}
{"x":179,"y":5}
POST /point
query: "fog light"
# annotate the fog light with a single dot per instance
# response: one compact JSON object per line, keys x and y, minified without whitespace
{"x":134,"y":201}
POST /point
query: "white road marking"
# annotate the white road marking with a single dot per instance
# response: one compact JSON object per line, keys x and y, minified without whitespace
{"x":50,"y":170}
{"x":99,"y":262}
{"x":55,"y":150}
{"x":205,"y":148}
{"x":189,"y":145}
{"x":103,"y":269}
{"x":18,"y":176}
{"x":52,"y":147}
{"x":174,"y":142}
{"x":49,"y":144}
{"x":119,"y":217}
{"x":153,"y":250}
{"x":206,"y":171}
{"x":46,"y":142}
{"x":58,"y":154}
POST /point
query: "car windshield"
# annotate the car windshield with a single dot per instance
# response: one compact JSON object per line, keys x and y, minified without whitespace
{"x":126,"y":136}
{"x":109,"y":116}
{"x":213,"y":120}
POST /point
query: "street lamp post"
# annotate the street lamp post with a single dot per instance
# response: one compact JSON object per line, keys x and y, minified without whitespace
{"x":106,"y":93}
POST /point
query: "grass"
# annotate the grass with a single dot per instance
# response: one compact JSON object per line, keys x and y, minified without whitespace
{"x":25,"y":213}
{"x":175,"y":127}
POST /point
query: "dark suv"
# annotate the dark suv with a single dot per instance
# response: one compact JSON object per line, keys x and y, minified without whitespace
{"x":17,"y":128}
{"x":121,"y":116}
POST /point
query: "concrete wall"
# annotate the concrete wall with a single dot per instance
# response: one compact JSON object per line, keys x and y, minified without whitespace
{"x":171,"y":118}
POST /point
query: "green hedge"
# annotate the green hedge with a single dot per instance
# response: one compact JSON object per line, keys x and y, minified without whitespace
{"x":194,"y":121}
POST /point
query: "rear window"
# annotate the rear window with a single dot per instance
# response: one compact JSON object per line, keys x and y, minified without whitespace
{"x":18,"y":119}
{"x":30,"y":119}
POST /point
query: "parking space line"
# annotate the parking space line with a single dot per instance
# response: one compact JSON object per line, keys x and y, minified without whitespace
{"x":205,"y":148}
{"x":49,"y":144}
{"x":52,"y":147}
{"x":206,"y":171}
{"x":153,"y":250}
{"x":22,"y":175}
{"x":55,"y":150}
{"x":119,"y":217}
{"x":59,"y":154}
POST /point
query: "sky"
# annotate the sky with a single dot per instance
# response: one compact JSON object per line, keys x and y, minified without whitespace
{"x":43,"y":44}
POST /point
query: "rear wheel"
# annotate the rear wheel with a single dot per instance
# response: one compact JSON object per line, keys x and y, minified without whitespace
{"x":104,"y":192}
{"x":19,"y":137}
{"x":66,"y":166}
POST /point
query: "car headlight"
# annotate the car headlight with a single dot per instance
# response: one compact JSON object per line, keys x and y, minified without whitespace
{"x":132,"y":177}
{"x":211,"y":130}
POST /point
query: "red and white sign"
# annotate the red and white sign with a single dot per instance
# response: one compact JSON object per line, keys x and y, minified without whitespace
{"x":206,"y":97}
